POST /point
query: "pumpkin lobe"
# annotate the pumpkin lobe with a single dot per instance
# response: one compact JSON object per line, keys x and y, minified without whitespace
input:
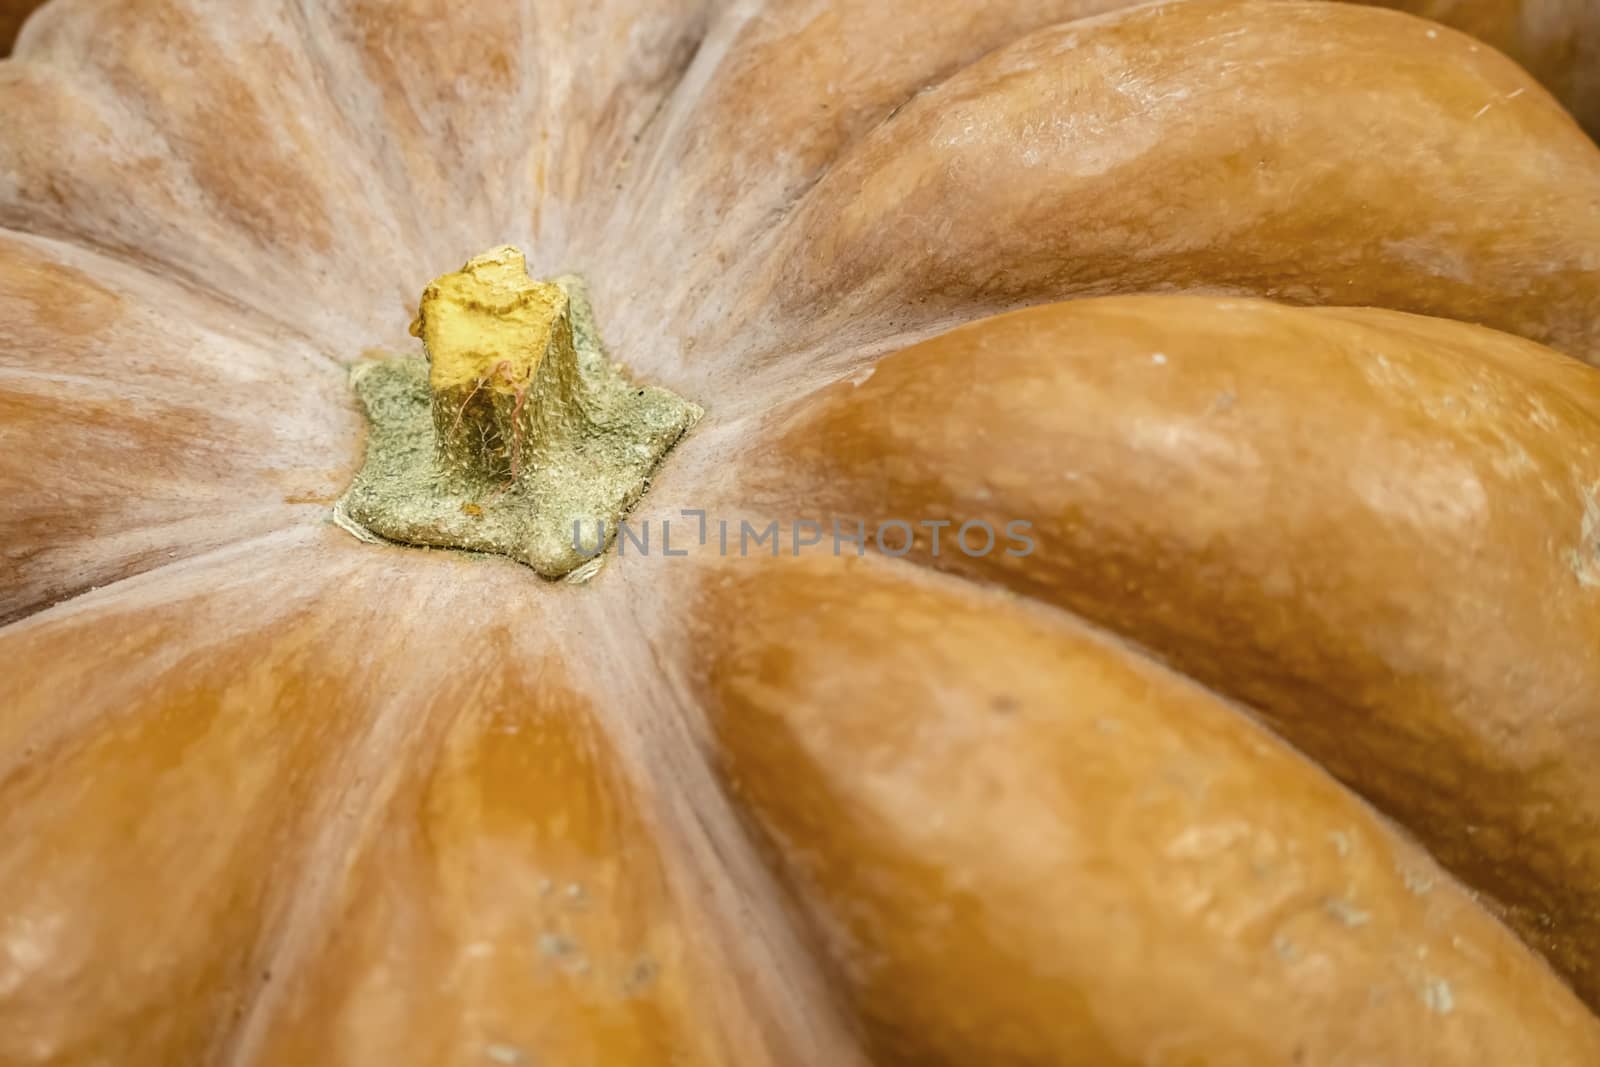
{"x":515,"y":435}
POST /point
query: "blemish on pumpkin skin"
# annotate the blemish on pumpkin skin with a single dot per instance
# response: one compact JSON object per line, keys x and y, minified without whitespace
{"x":640,"y":977}
{"x":1417,"y":882}
{"x":1438,"y":996}
{"x":1585,"y":559}
{"x":556,"y":946}
{"x":500,"y":66}
{"x":1345,"y":912}
{"x":308,"y":485}
{"x":564,"y":952}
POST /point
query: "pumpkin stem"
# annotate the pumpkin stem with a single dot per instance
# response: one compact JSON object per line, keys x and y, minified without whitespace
{"x":516,"y":435}
{"x":502,"y":364}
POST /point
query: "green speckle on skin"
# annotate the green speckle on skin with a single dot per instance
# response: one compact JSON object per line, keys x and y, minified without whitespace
{"x":640,"y":977}
{"x":586,"y":438}
{"x":556,"y":945}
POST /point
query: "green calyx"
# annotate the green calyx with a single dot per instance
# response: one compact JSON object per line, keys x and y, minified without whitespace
{"x":515,"y":435}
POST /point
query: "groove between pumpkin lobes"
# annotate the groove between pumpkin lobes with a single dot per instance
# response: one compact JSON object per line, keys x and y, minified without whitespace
{"x":515,"y":435}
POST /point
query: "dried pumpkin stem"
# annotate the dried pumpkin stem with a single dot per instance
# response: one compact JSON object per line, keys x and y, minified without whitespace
{"x":502,"y":364}
{"x":516,"y":435}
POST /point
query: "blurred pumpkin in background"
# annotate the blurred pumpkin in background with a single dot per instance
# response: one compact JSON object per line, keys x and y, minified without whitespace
{"x":1271,"y":322}
{"x":12,"y":14}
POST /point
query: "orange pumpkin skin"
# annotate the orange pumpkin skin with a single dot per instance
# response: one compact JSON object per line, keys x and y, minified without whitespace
{"x":1275,"y":749}
{"x":1558,"y":41}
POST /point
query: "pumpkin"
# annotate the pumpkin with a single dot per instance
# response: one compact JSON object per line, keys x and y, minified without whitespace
{"x":1239,"y":350}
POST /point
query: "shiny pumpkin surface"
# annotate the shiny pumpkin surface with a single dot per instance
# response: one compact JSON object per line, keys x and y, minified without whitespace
{"x":1273,"y":320}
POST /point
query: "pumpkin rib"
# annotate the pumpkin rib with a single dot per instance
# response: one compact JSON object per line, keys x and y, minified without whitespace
{"x":346,"y":807}
{"x":648,"y":139}
{"x":92,"y":195}
{"x":321,"y":56}
{"x":1407,"y":647}
{"x":115,"y":265}
{"x":836,"y":47}
{"x":293,"y":938}
{"x":20,"y":745}
{"x":686,"y":703}
{"x":712,"y":855}
{"x":713,"y":317}
{"x":1258,"y":714}
{"x":23,"y":68}
{"x":795,"y":199}
{"x":663,"y":67}
{"x":977,"y":205}
{"x":1099,"y":11}
{"x":783,"y":48}
{"x":1027,"y":962}
{"x":136,"y":567}
{"x":1559,"y":43}
{"x":233,"y":161}
{"x":144,"y":420}
{"x":476,"y":800}
{"x":346,"y":663}
{"x":403,"y":186}
{"x":978,"y":585}
{"x":720,"y":899}
{"x":715,"y":796}
{"x":198,"y":740}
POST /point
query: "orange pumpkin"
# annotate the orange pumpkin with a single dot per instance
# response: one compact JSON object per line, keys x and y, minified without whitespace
{"x":1238,"y":349}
